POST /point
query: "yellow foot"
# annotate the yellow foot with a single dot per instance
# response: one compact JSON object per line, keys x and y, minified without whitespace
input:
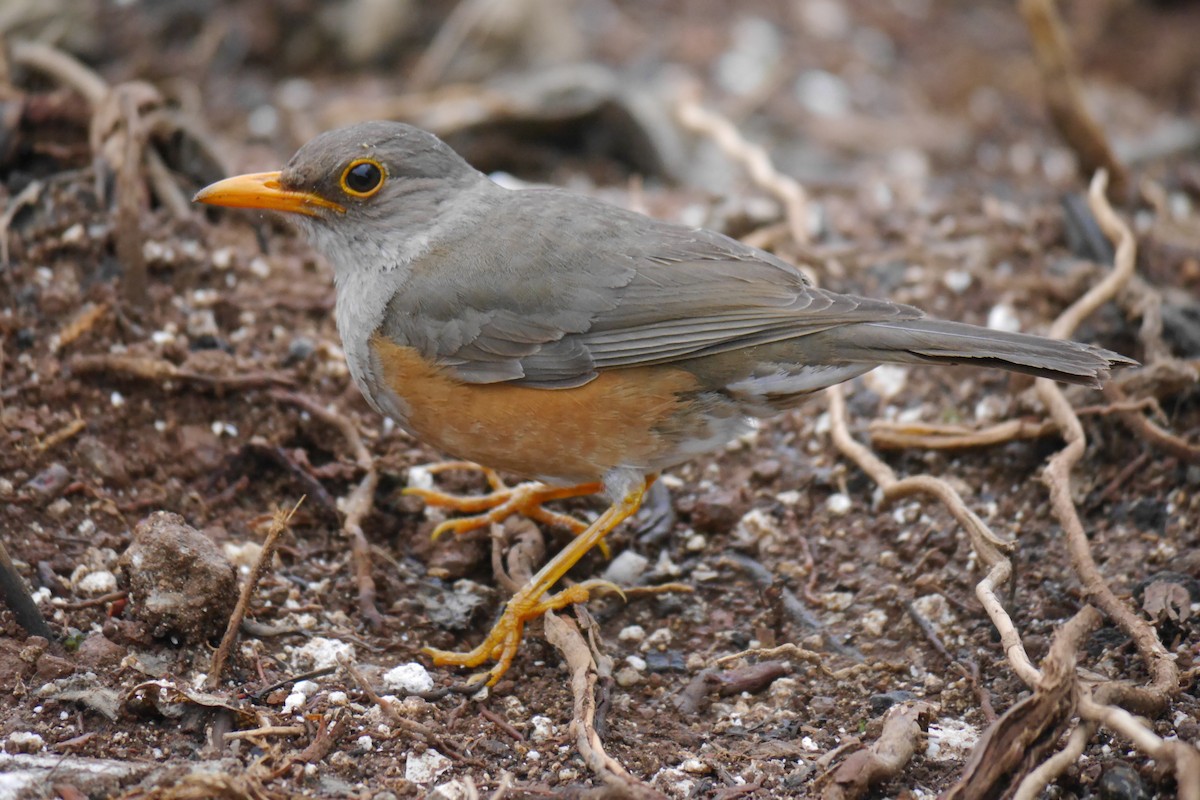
{"x":502,"y":502}
{"x":504,"y":640}
{"x":531,"y":601}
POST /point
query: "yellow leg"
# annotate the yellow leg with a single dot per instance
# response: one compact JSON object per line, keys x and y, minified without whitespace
{"x":502,"y":502}
{"x":531,"y":602}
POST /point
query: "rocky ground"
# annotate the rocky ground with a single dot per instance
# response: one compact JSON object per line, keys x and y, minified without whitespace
{"x":171,"y":378}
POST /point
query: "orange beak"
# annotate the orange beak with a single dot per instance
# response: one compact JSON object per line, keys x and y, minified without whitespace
{"x":262,"y":190}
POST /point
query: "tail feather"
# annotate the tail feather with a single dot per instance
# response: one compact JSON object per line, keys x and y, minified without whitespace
{"x":925,"y":341}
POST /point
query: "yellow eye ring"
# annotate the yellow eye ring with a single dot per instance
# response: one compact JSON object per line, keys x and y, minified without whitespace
{"x":363,"y":177}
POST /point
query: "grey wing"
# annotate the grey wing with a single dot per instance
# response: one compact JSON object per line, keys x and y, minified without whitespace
{"x":547,"y":309}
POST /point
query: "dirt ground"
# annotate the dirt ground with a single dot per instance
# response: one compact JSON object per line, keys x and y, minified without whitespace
{"x":159,"y":357}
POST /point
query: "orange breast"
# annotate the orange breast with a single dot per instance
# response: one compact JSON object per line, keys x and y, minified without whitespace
{"x":624,"y":417}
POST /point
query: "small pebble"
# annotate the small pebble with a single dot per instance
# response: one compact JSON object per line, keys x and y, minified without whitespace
{"x":97,"y":583}
{"x":50,"y":481}
{"x":626,"y":568}
{"x":543,"y":728}
{"x":838,"y":504}
{"x":632,"y":633}
{"x":294,"y":701}
{"x":409,"y":678}
{"x":1003,"y":317}
{"x":320,"y":653}
{"x":424,"y":768}
{"x":627,"y":676}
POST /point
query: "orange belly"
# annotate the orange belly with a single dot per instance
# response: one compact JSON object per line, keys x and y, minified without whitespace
{"x":623,"y":418}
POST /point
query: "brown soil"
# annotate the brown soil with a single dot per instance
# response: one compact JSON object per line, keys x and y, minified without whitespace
{"x":940,"y":184}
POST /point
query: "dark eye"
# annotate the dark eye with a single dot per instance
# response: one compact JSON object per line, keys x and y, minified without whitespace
{"x":362,"y":178}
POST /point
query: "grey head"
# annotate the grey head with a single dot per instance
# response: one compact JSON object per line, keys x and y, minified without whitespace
{"x":377,"y":189}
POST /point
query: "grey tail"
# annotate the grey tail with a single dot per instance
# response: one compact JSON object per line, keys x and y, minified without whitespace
{"x":926,"y":341}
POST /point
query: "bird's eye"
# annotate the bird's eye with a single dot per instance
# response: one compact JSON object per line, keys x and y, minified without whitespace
{"x":362,"y":178}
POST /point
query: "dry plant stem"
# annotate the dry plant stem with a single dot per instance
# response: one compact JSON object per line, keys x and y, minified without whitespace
{"x":81,"y":323}
{"x":1155,"y":435}
{"x":325,"y":739}
{"x":269,"y":730}
{"x":1036,"y":781}
{"x":1064,"y":95}
{"x":62,"y":434}
{"x":62,"y":67}
{"x":885,"y":759}
{"x":753,"y":158}
{"x":564,"y":635}
{"x":148,"y":368}
{"x":987,"y":545}
{"x":903,"y":436}
{"x":1182,"y":756}
{"x":1057,"y":475}
{"x":1019,"y":740}
{"x":26,"y":197}
{"x":279,"y":524}
{"x":359,"y":502}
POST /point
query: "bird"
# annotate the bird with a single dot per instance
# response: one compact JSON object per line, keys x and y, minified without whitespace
{"x":583,"y":347}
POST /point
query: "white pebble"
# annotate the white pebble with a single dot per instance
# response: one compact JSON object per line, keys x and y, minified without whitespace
{"x":321,"y":653}
{"x":420,"y":477}
{"x":366,"y":743}
{"x":957,"y":280}
{"x":338,"y":699}
{"x":887,"y":381}
{"x":259,"y":267}
{"x":626,"y":677}
{"x":626,"y":568}
{"x":543,"y":728}
{"x":426,"y":767}
{"x":660,"y":638}
{"x":1003,"y":317}
{"x":117,"y":399}
{"x":97,"y":583}
{"x":294,"y":701}
{"x":838,"y":503}
{"x":874,"y":622}
{"x":409,"y":678}
{"x":632,"y":633}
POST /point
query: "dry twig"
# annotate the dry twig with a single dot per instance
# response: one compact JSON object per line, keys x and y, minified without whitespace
{"x":863,"y":769}
{"x":564,"y":635}
{"x":987,"y":545}
{"x":129,"y":365}
{"x":1064,"y":94}
{"x":1057,"y":475}
{"x":279,"y":524}
{"x":1016,"y":742}
{"x":695,"y":117}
